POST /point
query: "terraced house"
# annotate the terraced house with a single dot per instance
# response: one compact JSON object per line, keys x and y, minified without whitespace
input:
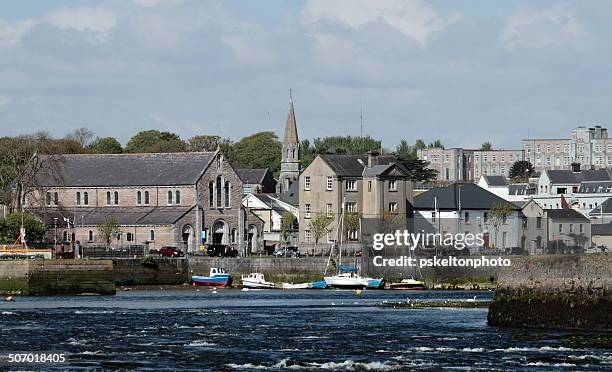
{"x":183,"y":200}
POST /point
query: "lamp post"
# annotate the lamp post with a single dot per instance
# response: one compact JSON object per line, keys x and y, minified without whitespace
{"x":55,"y":234}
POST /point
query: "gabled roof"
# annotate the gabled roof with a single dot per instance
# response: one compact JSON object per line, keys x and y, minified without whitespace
{"x":595,"y":187}
{"x":565,"y":214}
{"x":521,"y":189}
{"x":448,"y":198}
{"x":496,"y":181}
{"x":567,"y":176}
{"x":123,"y":215}
{"x":109,"y":170}
{"x":601,"y":229}
{"x":291,"y":196}
{"x":252,"y":176}
{"x":271,"y":201}
{"x":353,"y":165}
{"x":607,"y":208}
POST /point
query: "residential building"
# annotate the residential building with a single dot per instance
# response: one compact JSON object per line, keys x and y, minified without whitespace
{"x":569,"y":231}
{"x":534,"y":228}
{"x":601,"y":235}
{"x":270,"y":209}
{"x":498,"y":185}
{"x":372,"y":186}
{"x":257,"y":181}
{"x":184,"y":200}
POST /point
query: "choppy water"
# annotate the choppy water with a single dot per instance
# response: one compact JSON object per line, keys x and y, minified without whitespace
{"x":276,"y":330}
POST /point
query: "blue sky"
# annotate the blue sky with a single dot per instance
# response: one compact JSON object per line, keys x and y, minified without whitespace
{"x":461,"y":71}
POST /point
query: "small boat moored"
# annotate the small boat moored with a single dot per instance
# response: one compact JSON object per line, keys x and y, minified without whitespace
{"x":296,"y":286}
{"x":408,"y":284}
{"x":376,"y":283}
{"x":346,"y":278}
{"x":256,"y":280}
{"x":218,"y":278}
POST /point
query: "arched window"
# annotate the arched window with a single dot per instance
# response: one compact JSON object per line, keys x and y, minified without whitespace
{"x":86,"y":198}
{"x":139,"y":198}
{"x":130,"y":237}
{"x":90,"y":236}
{"x":169,"y":197}
{"x":219,"y":187}
{"x":78,"y":198}
{"x":177,"y":197}
{"x":116,"y":198}
{"x":146,"y":197}
{"x":65,"y":236}
{"x":152,"y":235}
{"x":234,"y":235}
{"x":226,"y":191}
{"x":48,"y":198}
{"x":211,"y":194}
{"x":108,"y":198}
{"x":293,"y":153}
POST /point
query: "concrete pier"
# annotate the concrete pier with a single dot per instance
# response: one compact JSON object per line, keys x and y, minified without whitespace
{"x":563,"y":292}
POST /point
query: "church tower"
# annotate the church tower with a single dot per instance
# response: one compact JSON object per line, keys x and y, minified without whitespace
{"x":290,"y":158}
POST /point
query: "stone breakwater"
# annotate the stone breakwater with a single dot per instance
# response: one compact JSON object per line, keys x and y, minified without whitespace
{"x":562,"y":292}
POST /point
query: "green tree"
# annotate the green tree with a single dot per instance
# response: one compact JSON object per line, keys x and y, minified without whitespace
{"x":417,"y":169}
{"x":436,"y":144}
{"x":496,"y":217}
{"x":345,"y":145}
{"x":487,"y":146}
{"x":109,"y":229}
{"x":206,"y":143}
{"x":260,"y":150}
{"x":9,"y":227}
{"x":318,"y":226}
{"x":419,"y":145}
{"x":82,"y":136}
{"x":106,"y":145}
{"x":155,"y":141}
{"x":352,"y":222}
{"x":287,"y":225}
{"x":521,"y":171}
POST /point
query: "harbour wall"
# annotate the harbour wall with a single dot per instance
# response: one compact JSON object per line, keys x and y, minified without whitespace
{"x":56,"y":277}
{"x":150,"y":271}
{"x":562,"y":292}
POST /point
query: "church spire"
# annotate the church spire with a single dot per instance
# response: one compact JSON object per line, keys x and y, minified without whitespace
{"x":291,"y":135}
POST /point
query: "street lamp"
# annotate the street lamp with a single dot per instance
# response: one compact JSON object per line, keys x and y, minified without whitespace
{"x":55,"y":234}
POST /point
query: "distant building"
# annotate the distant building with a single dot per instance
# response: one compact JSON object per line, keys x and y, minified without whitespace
{"x":257,"y":181}
{"x":569,"y":231}
{"x":290,"y":156}
{"x":498,"y":185}
{"x":270,"y":209}
{"x":601,"y":235}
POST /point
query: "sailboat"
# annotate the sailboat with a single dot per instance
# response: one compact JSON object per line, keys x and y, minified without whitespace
{"x":346,"y":276}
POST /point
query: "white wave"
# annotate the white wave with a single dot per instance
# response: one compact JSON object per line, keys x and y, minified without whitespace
{"x":201,"y":343}
{"x":542,"y":364}
{"x":7,"y":313}
{"x":537,"y":349}
{"x":346,"y":365}
{"x":78,"y":312}
{"x":473,"y":349}
{"x":75,"y":342}
{"x":426,"y":349}
{"x":311,"y":337}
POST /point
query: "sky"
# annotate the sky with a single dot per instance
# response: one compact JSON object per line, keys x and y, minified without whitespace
{"x":464,"y":72}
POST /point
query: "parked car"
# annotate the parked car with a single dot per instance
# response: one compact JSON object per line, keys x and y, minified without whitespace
{"x":290,"y":251}
{"x":221,"y":250}
{"x":170,"y":252}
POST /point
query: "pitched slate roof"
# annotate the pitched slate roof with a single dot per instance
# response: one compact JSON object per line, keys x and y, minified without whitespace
{"x":353,"y":165}
{"x":252,"y":176}
{"x":567,"y":176}
{"x":601,"y":229}
{"x":607,"y":208}
{"x":291,"y":196}
{"x":123,"y":215}
{"x":496,"y":181}
{"x":472,"y":197}
{"x":108,"y":170}
{"x":565,"y":214}
{"x":291,"y":133}
{"x":595,"y":187}
{"x":521,"y":189}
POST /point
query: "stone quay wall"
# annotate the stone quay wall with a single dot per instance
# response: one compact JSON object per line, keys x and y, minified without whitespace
{"x":562,"y":292}
{"x":150,"y":271}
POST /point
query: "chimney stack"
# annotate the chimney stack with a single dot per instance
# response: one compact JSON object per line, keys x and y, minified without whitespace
{"x":372,"y":158}
{"x":576,"y":167}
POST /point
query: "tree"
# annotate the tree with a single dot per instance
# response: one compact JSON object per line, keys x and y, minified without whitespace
{"x":436,"y":144}
{"x":287,"y":225}
{"x":82,"y":136}
{"x":318,"y":226}
{"x":260,"y":150}
{"x":106,"y":145}
{"x":352,"y":222}
{"x":206,"y":143}
{"x":345,"y":145}
{"x":109,"y":229}
{"x":154,"y":141}
{"x":496,"y":217}
{"x":419,"y":145}
{"x":417,"y":169}
{"x":521,"y":171}
{"x":34,"y":227}
{"x":487,"y":146}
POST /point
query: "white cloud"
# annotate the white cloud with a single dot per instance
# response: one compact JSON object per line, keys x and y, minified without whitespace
{"x":540,"y":28}
{"x":410,"y":17}
{"x":98,"y":21}
{"x":11,"y":33}
{"x":154,"y":3}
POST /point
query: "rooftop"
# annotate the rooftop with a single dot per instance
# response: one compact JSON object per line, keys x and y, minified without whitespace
{"x":469,"y":195}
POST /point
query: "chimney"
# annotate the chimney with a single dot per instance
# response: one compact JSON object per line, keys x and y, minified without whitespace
{"x":576,"y":167}
{"x":372,"y":158}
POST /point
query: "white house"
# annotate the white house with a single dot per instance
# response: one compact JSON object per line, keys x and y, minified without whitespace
{"x":270,"y":208}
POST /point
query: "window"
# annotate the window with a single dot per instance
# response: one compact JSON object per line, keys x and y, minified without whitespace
{"x":219,"y":161}
{"x":560,"y":227}
{"x":392,"y":185}
{"x":353,"y":235}
{"x":211,"y":194}
{"x":369,"y":186}
{"x":152,"y":235}
{"x":392,"y":207}
{"x":433,"y":216}
{"x":329,"y":236}
{"x":130,"y":237}
{"x":78,"y":198}
{"x":571,"y":227}
{"x":351,"y":185}
{"x":48,"y":198}
{"x":234,"y":235}
{"x":108,"y":198}
{"x":307,"y":236}
{"x":55,"y":198}
{"x":177,"y":197}
{"x":227,"y":194}
{"x":116,"y":198}
{"x":307,"y":211}
{"x":139,"y":198}
{"x":581,"y":228}
{"x":169,"y":197}
{"x":85,"y":198}
{"x":330,"y":183}
{"x":328,"y":210}
{"x":90,"y":236}
{"x":485,"y":217}
{"x":307,"y":183}
{"x":218,"y":191}
{"x":351,"y":207}
{"x":467,"y":217}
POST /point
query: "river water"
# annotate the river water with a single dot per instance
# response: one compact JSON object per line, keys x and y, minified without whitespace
{"x":277,"y":330}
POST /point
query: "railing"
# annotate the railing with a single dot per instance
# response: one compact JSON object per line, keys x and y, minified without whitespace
{"x":112,"y":252}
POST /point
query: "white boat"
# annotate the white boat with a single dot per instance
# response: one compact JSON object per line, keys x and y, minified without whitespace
{"x":346,"y":278}
{"x":296,"y":286}
{"x":256,"y":280}
{"x":408,"y":284}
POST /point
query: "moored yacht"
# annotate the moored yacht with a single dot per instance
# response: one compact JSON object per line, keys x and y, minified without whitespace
{"x":256,"y":281}
{"x":346,"y":278}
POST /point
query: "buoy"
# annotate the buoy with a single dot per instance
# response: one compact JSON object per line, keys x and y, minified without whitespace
{"x":9,"y":299}
{"x":358,"y":291}
{"x":214,"y":291}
